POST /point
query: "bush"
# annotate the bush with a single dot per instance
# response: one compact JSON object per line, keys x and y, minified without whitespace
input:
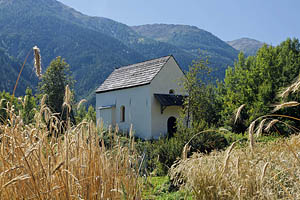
{"x":161,"y":154}
{"x":168,"y":151}
{"x":205,"y":142}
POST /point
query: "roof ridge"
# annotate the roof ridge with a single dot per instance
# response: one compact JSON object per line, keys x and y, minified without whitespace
{"x":140,"y":64}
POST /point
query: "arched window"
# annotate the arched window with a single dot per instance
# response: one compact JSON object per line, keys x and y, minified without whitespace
{"x":171,"y":91}
{"x":122,"y":114}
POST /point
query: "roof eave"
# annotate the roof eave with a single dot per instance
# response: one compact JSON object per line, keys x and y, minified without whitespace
{"x":103,"y":91}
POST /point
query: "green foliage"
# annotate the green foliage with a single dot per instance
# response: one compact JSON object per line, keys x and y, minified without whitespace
{"x":242,"y":140}
{"x":80,"y":114}
{"x":7,"y":100}
{"x":202,"y":106}
{"x":91,"y":114}
{"x":53,"y":84}
{"x":162,"y":188}
{"x":165,"y":152}
{"x":29,"y":107}
{"x":26,"y":105}
{"x":205,"y":141}
{"x":256,"y":80}
{"x":161,"y":154}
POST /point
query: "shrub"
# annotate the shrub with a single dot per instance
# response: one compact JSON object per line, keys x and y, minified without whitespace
{"x":205,"y":141}
{"x":162,"y":153}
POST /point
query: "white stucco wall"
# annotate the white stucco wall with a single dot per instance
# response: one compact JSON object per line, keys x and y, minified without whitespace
{"x":137,"y":104}
{"x":107,"y":115}
{"x":168,"y":78}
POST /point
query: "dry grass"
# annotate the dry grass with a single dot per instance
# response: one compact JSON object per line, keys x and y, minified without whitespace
{"x":267,"y":172}
{"x":34,"y":165}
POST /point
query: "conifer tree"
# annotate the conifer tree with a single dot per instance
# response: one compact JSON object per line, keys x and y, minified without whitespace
{"x":53,"y":84}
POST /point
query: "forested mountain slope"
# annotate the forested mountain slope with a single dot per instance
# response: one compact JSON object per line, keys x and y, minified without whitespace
{"x":192,"y":39}
{"x":9,"y":70}
{"x":91,"y":54}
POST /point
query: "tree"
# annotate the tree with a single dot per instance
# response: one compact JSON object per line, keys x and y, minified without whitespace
{"x":201,"y":106}
{"x":53,"y":84}
{"x":256,"y":80}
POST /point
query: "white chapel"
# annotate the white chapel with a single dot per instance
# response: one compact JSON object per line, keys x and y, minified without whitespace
{"x":146,"y":95}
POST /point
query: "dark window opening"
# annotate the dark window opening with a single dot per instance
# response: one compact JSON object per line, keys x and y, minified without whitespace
{"x":172,"y":126}
{"x":122,"y":114}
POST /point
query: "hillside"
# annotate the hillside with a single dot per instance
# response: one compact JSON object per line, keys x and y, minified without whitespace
{"x":48,"y":24}
{"x":149,"y":48}
{"x":10,"y":68}
{"x":246,"y":45}
{"x":94,"y":46}
{"x":192,"y":39}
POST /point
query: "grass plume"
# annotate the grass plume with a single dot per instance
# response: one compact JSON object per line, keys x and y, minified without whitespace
{"x":285,"y":105}
{"x":37,"y":61}
{"x":271,"y":124}
{"x":238,"y":113}
{"x":80,"y":103}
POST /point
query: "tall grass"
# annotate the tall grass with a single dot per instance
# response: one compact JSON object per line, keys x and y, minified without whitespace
{"x":76,"y":165}
{"x":268,"y":171}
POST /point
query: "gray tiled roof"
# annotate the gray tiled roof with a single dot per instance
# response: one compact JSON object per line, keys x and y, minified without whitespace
{"x":133,"y":75}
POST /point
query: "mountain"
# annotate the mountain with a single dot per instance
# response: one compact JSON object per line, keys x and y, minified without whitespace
{"x":94,"y":46}
{"x":192,"y":39}
{"x":57,"y":30}
{"x":149,"y":48}
{"x":246,"y":45}
{"x":10,"y":68}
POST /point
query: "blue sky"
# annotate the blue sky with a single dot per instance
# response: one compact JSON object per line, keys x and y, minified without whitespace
{"x":270,"y":21}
